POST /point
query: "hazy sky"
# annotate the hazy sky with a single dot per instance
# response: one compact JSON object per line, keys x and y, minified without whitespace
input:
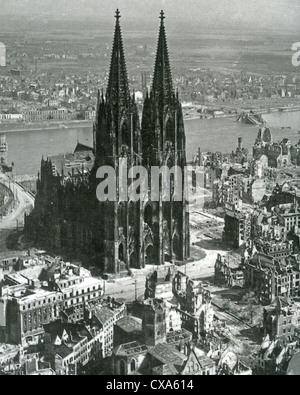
{"x":276,"y":14}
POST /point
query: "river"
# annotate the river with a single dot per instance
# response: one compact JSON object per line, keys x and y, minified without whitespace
{"x":27,"y":147}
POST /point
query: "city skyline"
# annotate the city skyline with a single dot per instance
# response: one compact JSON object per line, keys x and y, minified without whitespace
{"x":233,"y":14}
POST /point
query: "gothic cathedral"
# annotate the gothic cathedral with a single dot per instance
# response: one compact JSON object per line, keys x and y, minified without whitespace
{"x":121,"y":234}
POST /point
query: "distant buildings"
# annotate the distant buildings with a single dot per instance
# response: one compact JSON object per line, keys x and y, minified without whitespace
{"x":60,"y":114}
{"x":90,"y":115}
{"x":11,"y":117}
{"x":233,"y":178}
{"x":279,"y":155}
{"x":3,"y":149}
{"x":145,"y":82}
{"x":2,"y":55}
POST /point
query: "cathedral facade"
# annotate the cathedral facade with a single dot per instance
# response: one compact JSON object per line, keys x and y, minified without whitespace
{"x":123,"y":233}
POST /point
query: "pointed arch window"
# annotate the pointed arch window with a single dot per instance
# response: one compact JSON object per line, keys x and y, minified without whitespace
{"x":133,"y":365}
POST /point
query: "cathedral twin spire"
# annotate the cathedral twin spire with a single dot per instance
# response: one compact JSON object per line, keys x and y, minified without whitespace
{"x":118,"y":87}
{"x":162,"y":87}
{"x":118,"y":130}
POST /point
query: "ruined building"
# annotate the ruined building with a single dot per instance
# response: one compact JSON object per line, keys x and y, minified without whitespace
{"x":123,"y":233}
{"x":267,"y":153}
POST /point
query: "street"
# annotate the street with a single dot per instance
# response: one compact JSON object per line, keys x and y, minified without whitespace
{"x":24,"y":201}
{"x":15,"y":219}
{"x":130,"y":288}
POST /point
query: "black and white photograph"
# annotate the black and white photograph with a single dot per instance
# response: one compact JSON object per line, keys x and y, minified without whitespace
{"x":149,"y":190}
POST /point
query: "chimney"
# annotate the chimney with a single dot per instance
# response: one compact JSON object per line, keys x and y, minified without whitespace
{"x":295,"y":203}
{"x":61,"y":266}
{"x":240,"y":143}
{"x":199,"y":156}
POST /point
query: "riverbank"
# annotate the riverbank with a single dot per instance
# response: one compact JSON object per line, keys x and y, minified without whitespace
{"x":236,"y":113}
{"x":62,"y":126}
{"x":22,"y":127}
{"x":45,"y":126}
{"x":81,"y":124}
{"x":26,"y":149}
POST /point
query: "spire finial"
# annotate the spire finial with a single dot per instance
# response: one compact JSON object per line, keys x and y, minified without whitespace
{"x":118,"y":15}
{"x":162,"y":16}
